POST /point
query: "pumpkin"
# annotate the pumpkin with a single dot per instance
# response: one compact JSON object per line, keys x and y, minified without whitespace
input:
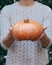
{"x":27,"y":30}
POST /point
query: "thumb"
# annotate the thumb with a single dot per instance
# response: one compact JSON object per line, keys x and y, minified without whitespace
{"x":44,"y":28}
{"x":10,"y":30}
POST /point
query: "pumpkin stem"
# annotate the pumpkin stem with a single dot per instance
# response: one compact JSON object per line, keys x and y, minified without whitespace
{"x":26,"y":21}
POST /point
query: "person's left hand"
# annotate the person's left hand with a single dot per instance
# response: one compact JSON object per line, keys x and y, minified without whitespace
{"x":43,"y":33}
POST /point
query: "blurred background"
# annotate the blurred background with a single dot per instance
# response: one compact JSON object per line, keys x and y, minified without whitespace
{"x":3,"y":53}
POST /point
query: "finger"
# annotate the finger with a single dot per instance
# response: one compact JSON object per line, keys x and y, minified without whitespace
{"x":10,"y":29}
{"x":44,"y":28}
{"x":41,"y":35}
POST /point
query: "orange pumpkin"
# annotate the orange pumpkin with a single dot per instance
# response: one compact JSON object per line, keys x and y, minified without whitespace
{"x":27,"y":30}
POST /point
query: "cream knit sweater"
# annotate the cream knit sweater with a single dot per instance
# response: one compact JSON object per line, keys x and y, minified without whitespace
{"x":25,"y":52}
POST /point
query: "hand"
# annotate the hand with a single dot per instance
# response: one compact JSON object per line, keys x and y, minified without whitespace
{"x":43,"y":33}
{"x":11,"y":32}
{"x":44,"y":39}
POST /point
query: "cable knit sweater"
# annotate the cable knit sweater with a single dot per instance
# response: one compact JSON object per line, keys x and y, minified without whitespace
{"x":25,"y":52}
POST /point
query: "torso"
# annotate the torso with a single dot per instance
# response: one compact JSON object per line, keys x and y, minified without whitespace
{"x":26,"y":52}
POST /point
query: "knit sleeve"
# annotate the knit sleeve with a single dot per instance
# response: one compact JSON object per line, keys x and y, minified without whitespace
{"x":47,"y":22}
{"x":5,"y":24}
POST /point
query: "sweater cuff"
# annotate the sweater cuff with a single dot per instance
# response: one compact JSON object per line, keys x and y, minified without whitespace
{"x":3,"y":46}
{"x":49,"y":44}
